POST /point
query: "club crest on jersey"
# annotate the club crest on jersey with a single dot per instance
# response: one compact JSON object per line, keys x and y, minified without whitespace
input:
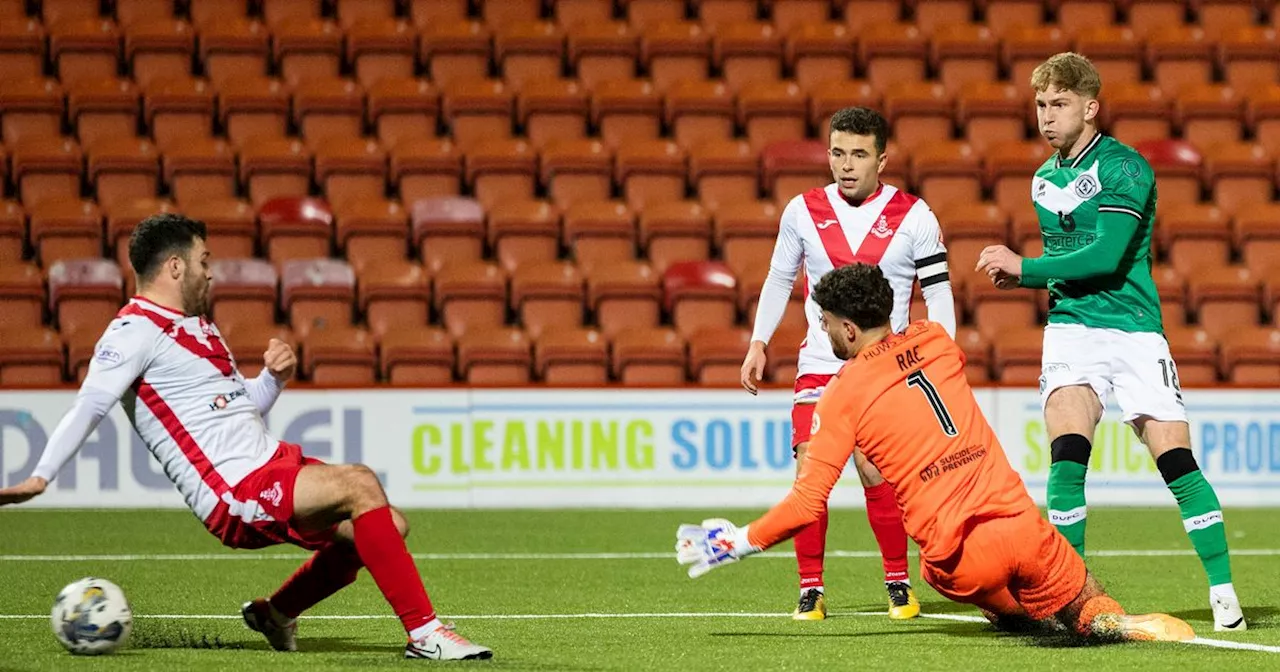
{"x":1086,"y":186}
{"x":827,"y":223}
{"x":817,"y":423}
{"x":882,"y":229}
{"x":272,"y":494}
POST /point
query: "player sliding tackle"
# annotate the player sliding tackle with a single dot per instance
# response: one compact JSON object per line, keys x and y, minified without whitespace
{"x":1096,"y":201}
{"x":902,"y":400}
{"x":203,"y":422}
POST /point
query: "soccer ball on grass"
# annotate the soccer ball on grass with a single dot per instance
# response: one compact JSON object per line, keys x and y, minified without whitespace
{"x":91,"y":617}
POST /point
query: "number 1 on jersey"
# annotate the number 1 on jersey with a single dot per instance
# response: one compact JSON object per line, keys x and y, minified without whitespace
{"x":918,"y":380}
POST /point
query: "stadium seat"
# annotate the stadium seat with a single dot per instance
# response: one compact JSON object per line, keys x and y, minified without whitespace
{"x":103,"y":109}
{"x":131,"y":13}
{"x":747,"y":52}
{"x":771,"y":112}
{"x":470,"y":296}
{"x":547,"y":296}
{"x":381,"y":48}
{"x":1016,"y":355}
{"x":892,"y":53}
{"x":178,"y":109}
{"x":84,"y":294}
{"x":674,"y":51}
{"x":65,"y":229}
{"x":13,"y":231}
{"x":1009,"y":168}
{"x":1196,"y":355}
{"x":791,"y":168}
{"x":277,"y":12}
{"x":425,"y":169}
{"x":947,"y":173}
{"x":602,"y":51}
{"x":252,"y":107}
{"x":84,"y":49}
{"x":31,"y":357}
{"x":576,"y":171}
{"x":1240,"y":176}
{"x":1116,"y":51}
{"x":351,"y":170}
{"x":205,"y":12}
{"x":970,"y":226}
{"x":1210,"y":114}
{"x":977,"y":354}
{"x":523,"y":231}
{"x":500,"y":13}
{"x":570,"y":14}
{"x":1179,"y":56}
{"x":826,"y":98}
{"x":624,"y":296}
{"x":1172,"y":288}
{"x":57,"y":11}
{"x":502,"y":170}
{"x":248,"y":343}
{"x":934,"y":15}
{"x":22,"y":47}
{"x":992,"y":113}
{"x":649,"y":357}
{"x":1151,"y":17}
{"x":782,"y":353}
{"x":499,"y":356}
{"x":650,"y":172}
{"x":30,"y":109}
{"x":1252,"y":356}
{"x":1218,"y":16}
{"x":47,"y":170}
{"x":718,"y":14}
{"x":963,"y":54}
{"x":123,"y":169}
{"x":403,"y":108}
{"x":751,"y":282}
{"x":1137,"y":112}
{"x":80,"y":349}
{"x":200,"y":170}
{"x":1177,"y":167}
{"x":675,"y":231}
{"x":920,"y":113}
{"x":1195,"y":236}
{"x":644,"y":13}
{"x":698,"y":111}
{"x":725,"y":172}
{"x":599,"y":233}
{"x":528,"y":50}
{"x":124,"y":216}
{"x":416,"y":356}
{"x":455,"y":51}
{"x":295,"y":229}
{"x":1257,"y":237}
{"x":552,"y":110}
{"x":700,"y":295}
{"x":272,"y":168}
{"x":1250,"y":57}
{"x":372,"y":231}
{"x":353,"y":13}
{"x":477,"y":111}
{"x":158,"y":47}
{"x":244,"y":292}
{"x":572,"y":357}
{"x":232,"y":225}
{"x":715,"y":355}
{"x":317,"y":293}
{"x":328,"y":109}
{"x":22,"y":290}
{"x":1025,"y":46}
{"x":994,"y":310}
{"x":447,"y":229}
{"x":1225,"y":298}
{"x":745,"y":233}
{"x":335,"y":354}
{"x":817,"y":52}
{"x":1263,"y":117}
{"x":231,"y":48}
{"x":626,"y":111}
{"x":304,"y":48}
{"x":394,"y":294}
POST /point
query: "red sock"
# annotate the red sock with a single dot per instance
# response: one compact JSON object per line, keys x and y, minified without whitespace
{"x":382,"y":550}
{"x":886,"y":523}
{"x":331,"y":569}
{"x":811,"y":547}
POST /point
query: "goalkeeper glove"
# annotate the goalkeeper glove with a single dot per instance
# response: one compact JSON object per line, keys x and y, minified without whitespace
{"x":716,"y":542}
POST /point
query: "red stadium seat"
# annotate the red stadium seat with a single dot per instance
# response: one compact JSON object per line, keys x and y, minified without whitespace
{"x":200,"y":170}
{"x":103,"y":108}
{"x":977,"y":354}
{"x":1250,"y":57}
{"x":747,"y":52}
{"x":158,"y":47}
{"x":552,"y":110}
{"x":892,"y":53}
{"x":1196,"y":355}
{"x":1240,"y":176}
{"x":818,"y":53}
{"x":1257,"y":236}
{"x":47,"y":170}
{"x":577,"y":171}
{"x":993,"y":113}
{"x":699,"y":110}
{"x":1009,"y":168}
{"x":1116,"y":51}
{"x":1225,"y":299}
{"x":351,"y":171}
{"x":502,"y":170}
{"x":13,"y":231}
{"x":772,"y":112}
{"x":30,"y":109}
{"x":1252,"y":356}
{"x":22,"y":47}
{"x":317,"y":294}
{"x":402,"y":108}
{"x":724,"y":172}
{"x":827,"y":98}
{"x":234,"y":47}
{"x":745,"y":233}
{"x":1177,"y":168}
{"x":275,"y":168}
{"x":675,"y":51}
{"x":307,"y":49}
{"x":178,"y":109}
{"x":574,"y":13}
{"x":626,"y":111}
{"x":68,"y":229}
{"x":964,"y":54}
{"x":123,"y":169}
{"x":791,"y":168}
{"x":1179,"y":56}
{"x":700,"y":295}
{"x":252,"y":107}
{"x":1026,"y":46}
{"x":1016,"y":355}
{"x":1210,"y":114}
{"x":947,"y":173}
{"x":232,"y":225}
{"x":326,"y":109}
{"x":372,"y":232}
{"x":381,"y":48}
{"x":602,"y":51}
{"x":1195,"y":236}
{"x":528,"y":50}
{"x":84,"y":49}
{"x":455,"y":51}
{"x":921,"y":113}
{"x":30,"y":356}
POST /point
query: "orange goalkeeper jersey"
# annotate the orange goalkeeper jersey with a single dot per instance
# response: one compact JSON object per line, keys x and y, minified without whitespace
{"x":906,"y":405}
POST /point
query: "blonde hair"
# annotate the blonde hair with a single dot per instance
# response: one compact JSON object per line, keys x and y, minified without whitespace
{"x":1068,"y":71}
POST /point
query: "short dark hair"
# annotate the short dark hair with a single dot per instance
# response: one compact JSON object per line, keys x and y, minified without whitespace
{"x":862,"y":121}
{"x":159,"y":237}
{"x":858,"y":293}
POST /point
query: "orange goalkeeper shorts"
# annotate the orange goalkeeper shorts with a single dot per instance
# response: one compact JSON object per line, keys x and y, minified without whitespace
{"x":1010,"y":565}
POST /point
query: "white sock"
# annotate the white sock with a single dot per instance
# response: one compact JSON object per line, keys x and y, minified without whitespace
{"x":424,"y":630}
{"x":1224,"y":591}
{"x":817,"y":588}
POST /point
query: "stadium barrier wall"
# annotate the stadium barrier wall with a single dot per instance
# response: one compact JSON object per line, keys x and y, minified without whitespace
{"x":451,"y":448}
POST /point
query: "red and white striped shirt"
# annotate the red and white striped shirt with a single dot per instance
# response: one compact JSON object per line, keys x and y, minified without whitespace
{"x":821,"y":231}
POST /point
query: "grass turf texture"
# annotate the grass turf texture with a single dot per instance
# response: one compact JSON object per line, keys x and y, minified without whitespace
{"x":471,"y":589}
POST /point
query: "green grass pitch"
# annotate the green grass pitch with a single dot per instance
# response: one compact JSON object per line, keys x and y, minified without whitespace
{"x":485,"y":571}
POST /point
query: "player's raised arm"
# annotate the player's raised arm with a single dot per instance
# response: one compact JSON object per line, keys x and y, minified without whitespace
{"x":788,"y":254}
{"x":279,"y":362}
{"x":932,"y":271}
{"x":119,"y":359}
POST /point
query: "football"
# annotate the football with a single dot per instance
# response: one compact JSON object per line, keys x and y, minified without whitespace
{"x":91,"y":617}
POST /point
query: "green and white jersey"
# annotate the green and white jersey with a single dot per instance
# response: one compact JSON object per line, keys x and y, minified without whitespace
{"x":1107,"y":195}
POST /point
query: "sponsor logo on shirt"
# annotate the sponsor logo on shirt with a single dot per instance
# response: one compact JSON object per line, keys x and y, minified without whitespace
{"x":223,"y":400}
{"x":827,"y":223}
{"x":108,"y":355}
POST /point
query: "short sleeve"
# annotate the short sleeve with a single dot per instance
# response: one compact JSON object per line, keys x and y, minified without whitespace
{"x":1127,"y":184}
{"x":121,"y":355}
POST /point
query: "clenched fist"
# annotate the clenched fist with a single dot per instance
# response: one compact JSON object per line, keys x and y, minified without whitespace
{"x":280,"y":360}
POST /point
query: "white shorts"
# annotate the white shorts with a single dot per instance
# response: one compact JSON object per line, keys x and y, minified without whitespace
{"x":1137,"y":366}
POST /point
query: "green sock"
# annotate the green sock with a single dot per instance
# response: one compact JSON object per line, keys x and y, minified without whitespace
{"x":1066,"y":501}
{"x":1202,"y":518}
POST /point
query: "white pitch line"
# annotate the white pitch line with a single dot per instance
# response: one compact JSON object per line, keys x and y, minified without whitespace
{"x":202,"y":557}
